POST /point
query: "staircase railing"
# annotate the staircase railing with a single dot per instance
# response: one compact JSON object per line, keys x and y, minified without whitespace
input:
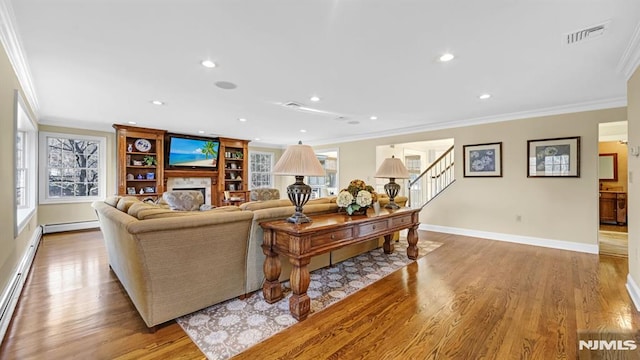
{"x":431,"y":182}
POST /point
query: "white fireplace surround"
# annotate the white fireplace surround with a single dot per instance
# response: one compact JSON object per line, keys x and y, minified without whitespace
{"x":193,"y":183}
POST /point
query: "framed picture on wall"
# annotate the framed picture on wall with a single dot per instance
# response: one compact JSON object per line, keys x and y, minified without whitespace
{"x":483,"y":160}
{"x":559,"y":157}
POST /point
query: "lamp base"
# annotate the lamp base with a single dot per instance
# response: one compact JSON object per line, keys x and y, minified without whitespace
{"x":299,"y":193}
{"x":392,"y":190}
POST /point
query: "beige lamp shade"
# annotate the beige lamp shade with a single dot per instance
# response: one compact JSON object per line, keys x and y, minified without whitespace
{"x":392,"y":168}
{"x":299,"y":160}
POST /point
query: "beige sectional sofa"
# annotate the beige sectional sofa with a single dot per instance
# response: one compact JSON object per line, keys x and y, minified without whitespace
{"x":172,"y":263}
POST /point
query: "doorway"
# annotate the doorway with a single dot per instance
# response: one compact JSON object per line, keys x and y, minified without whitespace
{"x":612,"y":192}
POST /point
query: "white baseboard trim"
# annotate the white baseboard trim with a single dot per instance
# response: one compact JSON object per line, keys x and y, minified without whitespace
{"x":634,"y":291}
{"x":83,"y":225}
{"x":518,"y":239}
{"x":12,"y":292}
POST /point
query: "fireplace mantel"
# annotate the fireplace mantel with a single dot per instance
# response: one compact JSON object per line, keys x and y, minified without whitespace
{"x":213,"y":175}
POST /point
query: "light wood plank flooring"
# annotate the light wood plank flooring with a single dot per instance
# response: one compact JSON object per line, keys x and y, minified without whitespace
{"x":469,"y":299}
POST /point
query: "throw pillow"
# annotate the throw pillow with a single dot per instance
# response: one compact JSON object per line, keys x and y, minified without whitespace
{"x":184,"y":200}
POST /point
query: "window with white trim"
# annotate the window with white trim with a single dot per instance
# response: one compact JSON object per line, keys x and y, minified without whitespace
{"x":26,"y":153}
{"x":260,"y":169}
{"x":72,"y":168}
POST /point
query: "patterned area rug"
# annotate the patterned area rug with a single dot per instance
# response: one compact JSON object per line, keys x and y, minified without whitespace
{"x":226,"y":329}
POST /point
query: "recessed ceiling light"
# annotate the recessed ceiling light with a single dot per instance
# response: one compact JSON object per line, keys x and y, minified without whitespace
{"x":208,"y":64}
{"x":201,"y":132}
{"x":303,"y":130}
{"x":132,"y":122}
{"x":157,"y":102}
{"x":446,"y":57}
{"x":484,"y":96}
{"x":373,"y":117}
{"x":257,"y":139}
{"x":242,"y":119}
{"x":314,"y":98}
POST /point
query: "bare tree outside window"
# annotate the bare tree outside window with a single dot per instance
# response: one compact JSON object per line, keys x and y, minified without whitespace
{"x":73,"y":167}
{"x":21,"y":171}
{"x":260,"y":173}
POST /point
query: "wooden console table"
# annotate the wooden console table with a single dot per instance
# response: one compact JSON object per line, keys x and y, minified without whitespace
{"x":300,"y":242}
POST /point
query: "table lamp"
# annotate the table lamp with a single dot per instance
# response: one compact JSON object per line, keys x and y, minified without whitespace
{"x":299,"y":161}
{"x":393,"y":169}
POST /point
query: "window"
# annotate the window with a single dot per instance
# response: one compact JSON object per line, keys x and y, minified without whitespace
{"x":260,"y":169}
{"x":73,"y":168}
{"x":26,"y":151}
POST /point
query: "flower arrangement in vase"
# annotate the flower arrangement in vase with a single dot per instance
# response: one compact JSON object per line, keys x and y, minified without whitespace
{"x":357,"y":197}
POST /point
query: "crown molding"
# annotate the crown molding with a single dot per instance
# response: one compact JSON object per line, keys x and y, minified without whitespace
{"x":630,"y":59}
{"x":555,"y":110}
{"x":10,"y":39}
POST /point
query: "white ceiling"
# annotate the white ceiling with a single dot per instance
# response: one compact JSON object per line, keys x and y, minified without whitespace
{"x":99,"y":62}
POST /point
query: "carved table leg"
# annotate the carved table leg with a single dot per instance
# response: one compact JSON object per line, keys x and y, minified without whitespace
{"x":412,"y":239}
{"x":271,"y":287}
{"x":388,"y":244}
{"x":300,"y":303}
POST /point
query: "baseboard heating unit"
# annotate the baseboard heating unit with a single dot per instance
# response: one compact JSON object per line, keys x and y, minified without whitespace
{"x":11,"y":293}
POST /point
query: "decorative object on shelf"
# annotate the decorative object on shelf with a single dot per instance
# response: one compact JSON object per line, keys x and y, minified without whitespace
{"x":130,"y":177}
{"x":151,"y":176}
{"x":239,"y":178}
{"x":232,"y":187}
{"x":357,"y":197}
{"x":149,"y":160}
{"x":149,"y":189}
{"x":483,"y":160}
{"x":392,"y":168}
{"x":142,"y":145}
{"x":140,"y":177}
{"x":233,"y":165}
{"x":232,"y":176}
{"x":137,"y":163}
{"x":131,"y":190}
{"x":299,"y":161}
{"x":226,"y":195}
{"x":129,"y":147}
{"x":559,"y":157}
{"x":239,"y":155}
{"x":141,"y":191}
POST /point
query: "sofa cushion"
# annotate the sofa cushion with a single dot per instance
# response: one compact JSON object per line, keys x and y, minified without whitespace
{"x":112,"y":200}
{"x":135,"y":208}
{"x":184,"y":200}
{"x":158,"y":212}
{"x":257,"y":205}
{"x":125,"y":202}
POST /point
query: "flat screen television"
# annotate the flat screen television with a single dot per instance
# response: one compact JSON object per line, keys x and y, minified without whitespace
{"x":190,"y":152}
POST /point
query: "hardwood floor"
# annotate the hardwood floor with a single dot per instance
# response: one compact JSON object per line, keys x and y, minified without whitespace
{"x":471,"y":298}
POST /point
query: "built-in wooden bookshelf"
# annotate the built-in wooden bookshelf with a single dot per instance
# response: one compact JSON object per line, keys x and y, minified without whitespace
{"x":140,"y":161}
{"x":233,"y":170}
{"x":139,"y":178}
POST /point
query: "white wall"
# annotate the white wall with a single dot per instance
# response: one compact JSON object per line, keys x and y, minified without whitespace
{"x":564,"y":209}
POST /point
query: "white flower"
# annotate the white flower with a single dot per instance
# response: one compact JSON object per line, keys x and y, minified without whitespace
{"x":364,"y":198}
{"x":344,"y":199}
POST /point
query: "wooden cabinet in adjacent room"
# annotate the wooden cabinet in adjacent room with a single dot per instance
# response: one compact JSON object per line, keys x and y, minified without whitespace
{"x":140,"y":161}
{"x":613,"y":207}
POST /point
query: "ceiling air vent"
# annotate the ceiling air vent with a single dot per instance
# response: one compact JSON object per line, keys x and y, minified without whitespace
{"x":585,"y":34}
{"x":292,"y":104}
